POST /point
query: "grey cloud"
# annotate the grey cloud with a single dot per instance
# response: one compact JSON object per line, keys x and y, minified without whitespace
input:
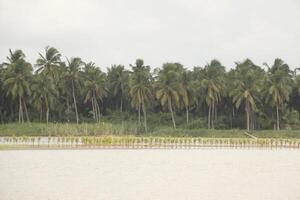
{"x":188,"y":31}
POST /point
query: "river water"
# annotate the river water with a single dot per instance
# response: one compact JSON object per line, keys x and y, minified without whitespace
{"x":206,"y":174}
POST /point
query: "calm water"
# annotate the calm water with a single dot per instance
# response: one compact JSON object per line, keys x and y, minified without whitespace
{"x":233,"y":174}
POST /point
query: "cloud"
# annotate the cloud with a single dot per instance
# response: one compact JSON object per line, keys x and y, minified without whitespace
{"x":188,"y":31}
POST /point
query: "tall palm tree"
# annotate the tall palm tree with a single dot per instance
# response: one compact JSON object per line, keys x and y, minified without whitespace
{"x":44,"y":92}
{"x":94,"y":82}
{"x":72,"y":75}
{"x":17,"y":80}
{"x":168,"y":87}
{"x":140,"y":89}
{"x":49,"y":62}
{"x":187,"y":92}
{"x":247,"y":84}
{"x":279,"y":86}
{"x":118,"y":79}
{"x":212,"y":83}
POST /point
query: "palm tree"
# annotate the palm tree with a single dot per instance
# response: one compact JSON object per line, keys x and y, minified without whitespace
{"x":140,"y":89}
{"x":94,"y":82}
{"x":168,"y":87}
{"x":44,"y":91}
{"x":279,"y":87}
{"x":17,"y":80}
{"x":118,"y":82}
{"x":72,"y":75}
{"x":187,"y":92}
{"x":211,"y":84}
{"x":247,"y":84}
{"x":49,"y":63}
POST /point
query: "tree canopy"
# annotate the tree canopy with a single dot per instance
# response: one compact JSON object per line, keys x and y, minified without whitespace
{"x":248,"y":96}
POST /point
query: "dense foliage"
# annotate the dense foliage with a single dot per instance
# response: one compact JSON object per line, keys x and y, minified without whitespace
{"x":53,"y":90}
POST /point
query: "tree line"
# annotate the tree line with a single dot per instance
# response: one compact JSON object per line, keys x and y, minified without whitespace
{"x":56,"y":90}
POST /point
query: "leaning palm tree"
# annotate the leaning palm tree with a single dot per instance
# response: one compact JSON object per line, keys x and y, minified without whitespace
{"x":48,"y":63}
{"x":72,"y":75}
{"x":140,"y":89}
{"x":246,"y":86}
{"x":17,"y":81}
{"x":167,"y":88}
{"x":94,"y":82}
{"x":279,"y":86}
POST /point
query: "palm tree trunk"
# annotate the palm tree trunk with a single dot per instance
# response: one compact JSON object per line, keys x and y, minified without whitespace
{"x":98,"y":110}
{"x":187,"y":114}
{"x":47,"y":115}
{"x":277,"y":115}
{"x":248,"y":115}
{"x":139,"y":110}
{"x":47,"y":110}
{"x":231,"y":120}
{"x":145,"y":116}
{"x":26,"y":112}
{"x":213,"y":116}
{"x":41,"y":113}
{"x":93,"y":107}
{"x":208,"y":118}
{"x":74,"y":99}
{"x":172,"y":114}
{"x":121,"y":104}
{"x":20,"y":108}
{"x":216,"y":113}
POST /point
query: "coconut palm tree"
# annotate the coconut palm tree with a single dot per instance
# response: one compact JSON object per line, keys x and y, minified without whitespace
{"x":168,"y":87}
{"x":211,"y":84}
{"x":72,"y":75}
{"x":187,"y":92}
{"x":279,"y":86}
{"x":94,"y":82}
{"x":17,"y":80}
{"x":48,"y":63}
{"x":43,"y":94}
{"x":118,"y":79}
{"x":140,"y":89}
{"x":247,"y":85}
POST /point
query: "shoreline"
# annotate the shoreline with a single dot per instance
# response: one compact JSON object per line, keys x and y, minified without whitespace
{"x":134,"y":142}
{"x":200,"y":147}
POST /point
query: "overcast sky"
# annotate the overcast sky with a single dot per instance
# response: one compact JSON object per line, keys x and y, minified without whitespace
{"x":191,"y":32}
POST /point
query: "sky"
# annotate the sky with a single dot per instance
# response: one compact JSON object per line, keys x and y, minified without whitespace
{"x":191,"y":32}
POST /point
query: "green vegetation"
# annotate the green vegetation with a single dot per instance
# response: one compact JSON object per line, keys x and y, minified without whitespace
{"x":205,"y":101}
{"x":104,"y":128}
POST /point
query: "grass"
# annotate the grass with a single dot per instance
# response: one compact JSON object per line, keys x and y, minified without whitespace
{"x":130,"y":128}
